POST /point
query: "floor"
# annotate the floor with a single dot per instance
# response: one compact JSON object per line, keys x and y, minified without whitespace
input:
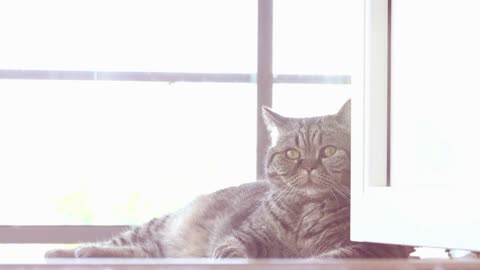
{"x":207,"y":264}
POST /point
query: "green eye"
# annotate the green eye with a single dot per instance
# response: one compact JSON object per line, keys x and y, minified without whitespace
{"x":328,"y":151}
{"x":292,"y":154}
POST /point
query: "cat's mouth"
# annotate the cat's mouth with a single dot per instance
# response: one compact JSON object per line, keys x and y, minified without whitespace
{"x":312,"y":182}
{"x":308,"y":182}
{"x":314,"y":186}
{"x":311,"y":178}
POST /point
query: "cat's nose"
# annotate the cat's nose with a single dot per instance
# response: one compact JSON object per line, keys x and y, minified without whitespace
{"x":309,"y":164}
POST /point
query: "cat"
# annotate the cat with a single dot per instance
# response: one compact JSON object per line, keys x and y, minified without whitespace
{"x":301,"y":210}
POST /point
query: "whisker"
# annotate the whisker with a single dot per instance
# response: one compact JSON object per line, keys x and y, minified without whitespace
{"x":286,"y":189}
{"x":343,"y":191}
{"x":333,"y":194}
{"x":281,"y":193}
{"x":340,"y":190}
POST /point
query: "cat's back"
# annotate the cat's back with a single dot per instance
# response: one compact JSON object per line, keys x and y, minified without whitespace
{"x":190,"y":231}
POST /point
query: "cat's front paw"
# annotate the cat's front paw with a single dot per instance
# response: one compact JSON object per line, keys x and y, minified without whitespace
{"x":231,"y":247}
{"x":224,"y":251}
{"x":110,"y":252}
{"x":95,"y":252}
{"x":81,"y":252}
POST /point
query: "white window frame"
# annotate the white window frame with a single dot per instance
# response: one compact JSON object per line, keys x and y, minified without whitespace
{"x":424,"y":216}
{"x":264,"y":79}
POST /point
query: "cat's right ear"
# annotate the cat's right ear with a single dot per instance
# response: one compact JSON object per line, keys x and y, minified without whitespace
{"x":273,"y":120}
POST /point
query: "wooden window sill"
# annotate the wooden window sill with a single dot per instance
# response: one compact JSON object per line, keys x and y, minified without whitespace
{"x":207,"y":264}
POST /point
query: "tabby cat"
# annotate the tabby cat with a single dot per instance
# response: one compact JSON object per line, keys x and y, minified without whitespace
{"x":302,"y":210}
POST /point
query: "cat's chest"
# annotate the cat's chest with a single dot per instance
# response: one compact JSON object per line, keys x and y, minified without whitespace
{"x":316,"y":213}
{"x":321,"y":214}
{"x":312,"y":220}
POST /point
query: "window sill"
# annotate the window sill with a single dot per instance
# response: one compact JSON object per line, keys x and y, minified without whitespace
{"x":208,"y":264}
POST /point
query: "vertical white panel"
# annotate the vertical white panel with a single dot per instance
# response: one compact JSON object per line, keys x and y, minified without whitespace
{"x":433,"y":129}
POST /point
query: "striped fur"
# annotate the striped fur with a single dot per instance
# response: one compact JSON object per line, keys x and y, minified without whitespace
{"x":301,"y":211}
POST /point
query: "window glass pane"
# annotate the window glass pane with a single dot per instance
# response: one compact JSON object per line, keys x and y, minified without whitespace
{"x":316,"y":36}
{"x":304,"y":100}
{"x":434,"y":111}
{"x":103,"y":152}
{"x":167,"y":35}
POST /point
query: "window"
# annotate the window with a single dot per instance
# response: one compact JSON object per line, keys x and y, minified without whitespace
{"x":112,"y":112}
{"x":315,"y":38}
{"x":413,"y":175}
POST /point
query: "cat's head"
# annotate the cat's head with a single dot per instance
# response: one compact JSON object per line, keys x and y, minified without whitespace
{"x":310,"y":155}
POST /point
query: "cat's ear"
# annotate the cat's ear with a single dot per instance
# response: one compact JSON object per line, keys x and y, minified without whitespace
{"x":344,"y":115}
{"x":273,"y":120}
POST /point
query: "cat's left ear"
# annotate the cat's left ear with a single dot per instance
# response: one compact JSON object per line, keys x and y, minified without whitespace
{"x":344,"y":115}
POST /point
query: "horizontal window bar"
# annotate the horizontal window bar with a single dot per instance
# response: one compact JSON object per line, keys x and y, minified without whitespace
{"x":124,"y":76}
{"x":166,"y":76}
{"x":57,"y":234}
{"x":313,"y":79}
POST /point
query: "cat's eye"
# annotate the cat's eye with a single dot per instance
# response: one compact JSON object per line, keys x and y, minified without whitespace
{"x":328,"y":151}
{"x":292,"y":154}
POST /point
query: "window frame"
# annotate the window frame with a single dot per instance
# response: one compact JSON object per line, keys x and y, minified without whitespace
{"x":264,"y":79}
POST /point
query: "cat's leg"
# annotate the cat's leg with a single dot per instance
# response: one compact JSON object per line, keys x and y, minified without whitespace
{"x":368,"y":250}
{"x":111,"y":252}
{"x":99,"y":251}
{"x":253,"y":243}
{"x":231,"y":247}
{"x":102,"y":251}
{"x":139,"y":242}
